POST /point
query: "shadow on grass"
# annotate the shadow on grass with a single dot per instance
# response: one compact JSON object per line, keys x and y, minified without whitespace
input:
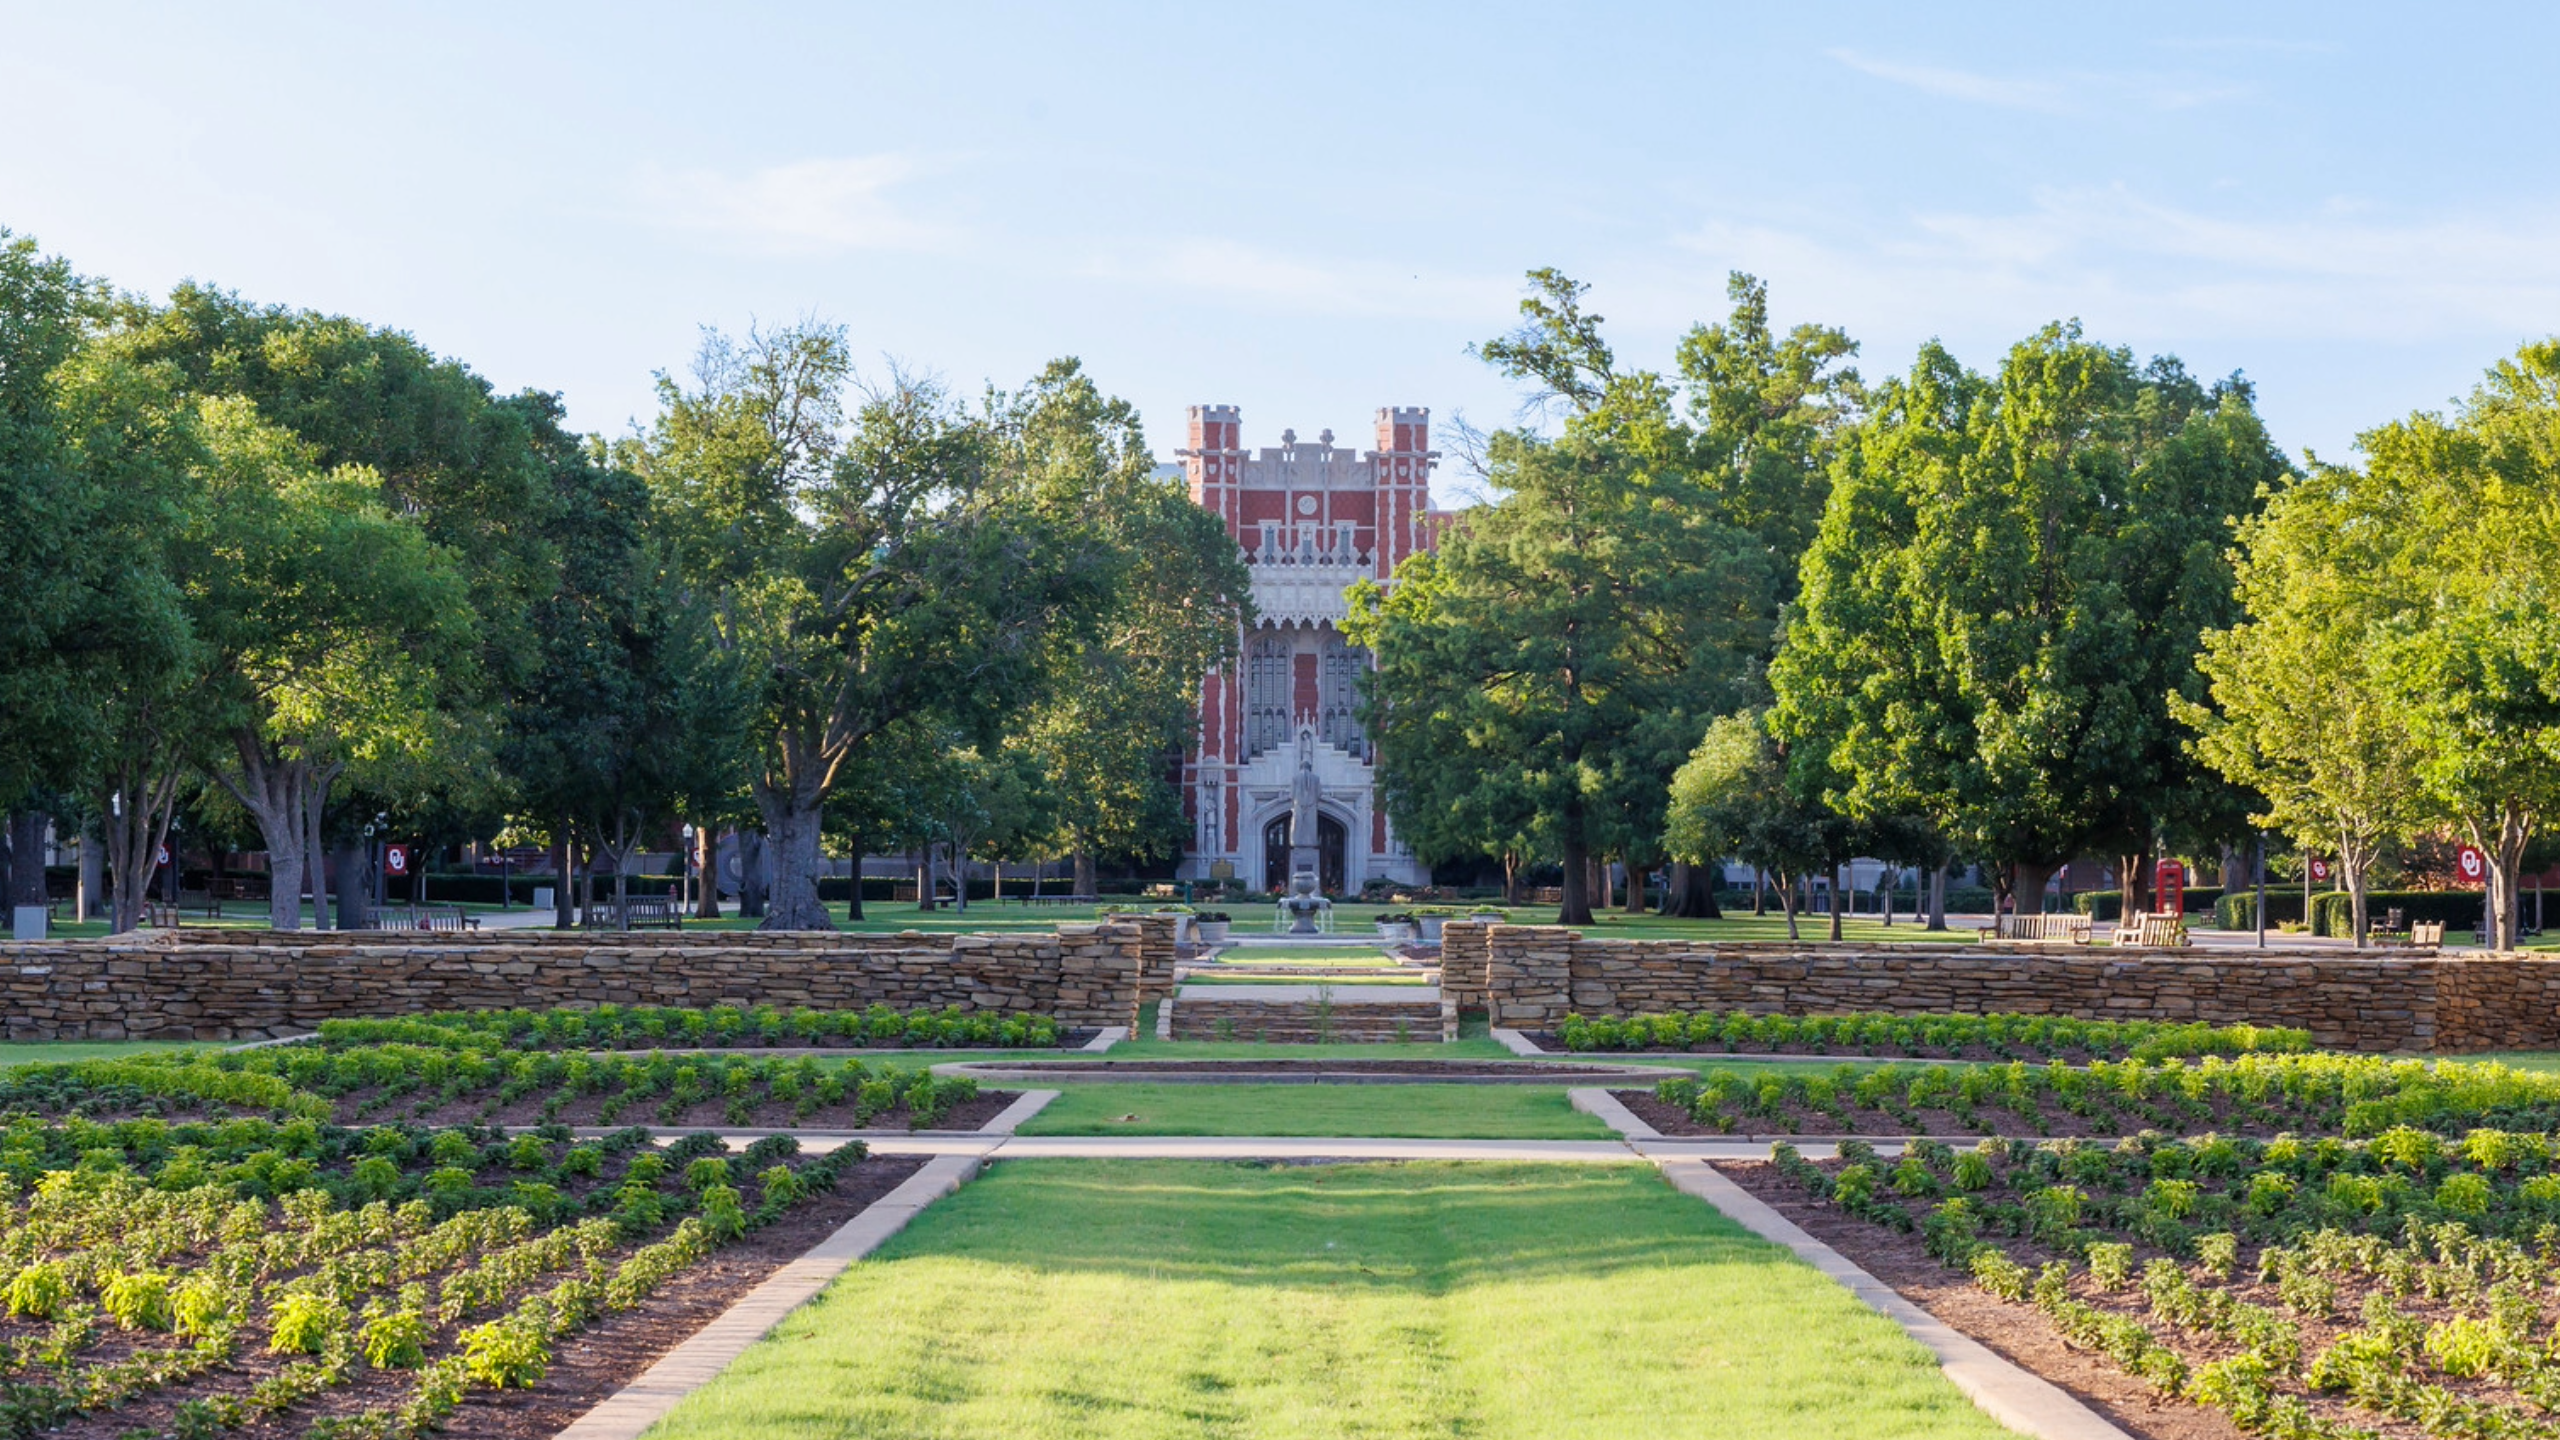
{"x":1425,"y":1227}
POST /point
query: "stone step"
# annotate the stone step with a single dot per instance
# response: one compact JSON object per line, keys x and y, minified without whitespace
{"x":1306,"y":1021}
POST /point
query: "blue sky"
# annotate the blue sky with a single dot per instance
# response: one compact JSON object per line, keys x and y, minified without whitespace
{"x":1309,"y":210}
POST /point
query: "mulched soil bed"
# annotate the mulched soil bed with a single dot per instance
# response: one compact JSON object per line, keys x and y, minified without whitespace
{"x":710,"y":1114}
{"x":2020,"y":1333}
{"x":589,"y":1366}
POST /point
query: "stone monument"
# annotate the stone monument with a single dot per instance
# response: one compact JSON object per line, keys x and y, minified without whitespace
{"x":1306,"y":794}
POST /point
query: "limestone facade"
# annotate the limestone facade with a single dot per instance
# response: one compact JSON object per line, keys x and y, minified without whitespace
{"x":1311,"y":519}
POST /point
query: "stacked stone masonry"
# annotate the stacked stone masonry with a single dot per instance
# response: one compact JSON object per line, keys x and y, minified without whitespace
{"x":1536,"y":975}
{"x":1462,"y":959}
{"x":274,"y":984}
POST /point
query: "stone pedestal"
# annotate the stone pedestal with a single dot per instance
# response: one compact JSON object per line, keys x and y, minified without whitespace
{"x":28,"y":922}
{"x":1306,"y":860}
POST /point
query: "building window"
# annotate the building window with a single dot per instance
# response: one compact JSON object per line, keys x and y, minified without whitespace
{"x":1342,"y":543}
{"x":1270,"y":542}
{"x":1267,"y":686}
{"x":1338,"y":693}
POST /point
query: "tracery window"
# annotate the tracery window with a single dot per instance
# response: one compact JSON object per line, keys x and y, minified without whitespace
{"x":1337,"y":691}
{"x":1267,"y":693}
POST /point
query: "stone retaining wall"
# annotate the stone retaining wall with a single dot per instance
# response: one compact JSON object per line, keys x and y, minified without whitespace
{"x":92,"y":990}
{"x":1535,"y":975}
{"x":1462,"y":961}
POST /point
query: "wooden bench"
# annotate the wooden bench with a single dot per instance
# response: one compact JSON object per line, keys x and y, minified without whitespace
{"x":434,"y":917}
{"x":2042,"y":929}
{"x":1053,"y":899}
{"x":204,"y":902}
{"x":160,"y":914}
{"x":2424,"y":935}
{"x":2165,"y":932}
{"x":641,"y":912}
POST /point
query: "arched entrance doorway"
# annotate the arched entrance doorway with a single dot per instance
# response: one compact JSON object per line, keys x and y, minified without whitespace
{"x":1331,"y":839}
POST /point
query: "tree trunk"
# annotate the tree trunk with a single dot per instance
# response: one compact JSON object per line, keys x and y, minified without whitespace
{"x":1759,"y":892}
{"x":1690,"y":894}
{"x":853,"y":903}
{"x":791,"y":826}
{"x":137,"y":825}
{"x":1510,"y":877}
{"x":1576,"y":906}
{"x":1884,"y":895}
{"x":923,"y":858}
{"x":2027,"y":885}
{"x":706,"y":866}
{"x":2505,"y":850}
{"x":26,"y":856}
{"x":355,"y":897}
{"x":1837,"y":899}
{"x":622,"y":888}
{"x":959,"y":878}
{"x":1938,"y":898}
{"x":1639,"y":877}
{"x":755,"y":885}
{"x":1088,"y":877}
{"x":1787,"y":903}
{"x":2135,"y":893}
{"x":564,"y":915}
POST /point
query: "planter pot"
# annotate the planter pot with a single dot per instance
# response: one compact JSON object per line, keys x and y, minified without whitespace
{"x":1431,"y":928}
{"x":1181,"y":928}
{"x":1212,"y":932}
{"x":1394,"y":933}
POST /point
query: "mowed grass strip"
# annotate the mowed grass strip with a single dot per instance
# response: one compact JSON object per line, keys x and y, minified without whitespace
{"x":63,"y":1052}
{"x":1475,"y":1112}
{"x":1140,"y":1299}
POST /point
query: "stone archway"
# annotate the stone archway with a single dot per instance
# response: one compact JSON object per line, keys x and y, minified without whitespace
{"x":1333,"y":843}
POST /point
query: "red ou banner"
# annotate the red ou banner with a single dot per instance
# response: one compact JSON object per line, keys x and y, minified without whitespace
{"x":2473,"y":865}
{"x":395,"y":859}
{"x":2170,"y":879}
{"x":2319,"y":868}
{"x":163,"y":856}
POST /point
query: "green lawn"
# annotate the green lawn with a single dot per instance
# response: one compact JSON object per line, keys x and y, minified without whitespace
{"x":1142,"y":1299}
{"x":1248,"y":978}
{"x":1476,"y":1112}
{"x":1303,"y":955}
{"x":39,"y":1052}
{"x":1472,"y":1044}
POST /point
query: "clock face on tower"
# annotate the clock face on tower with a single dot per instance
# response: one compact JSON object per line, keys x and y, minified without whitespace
{"x":1306,"y":504}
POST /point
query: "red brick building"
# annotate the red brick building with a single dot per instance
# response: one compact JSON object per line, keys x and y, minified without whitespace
{"x":1311,"y":519}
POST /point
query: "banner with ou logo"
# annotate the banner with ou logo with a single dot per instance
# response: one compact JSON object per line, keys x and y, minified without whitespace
{"x":2472,"y":865}
{"x":395,"y":859}
{"x":2319,"y":868}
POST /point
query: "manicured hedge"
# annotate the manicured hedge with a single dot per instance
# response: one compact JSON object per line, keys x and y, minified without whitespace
{"x":2103,"y":905}
{"x":2238,"y":910}
{"x":2333,"y":912}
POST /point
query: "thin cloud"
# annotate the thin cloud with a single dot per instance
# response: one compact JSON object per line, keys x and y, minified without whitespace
{"x":806,"y":206}
{"x":2074,"y":93}
{"x":1959,"y":84}
{"x":1250,"y":273}
{"x":2126,"y":262}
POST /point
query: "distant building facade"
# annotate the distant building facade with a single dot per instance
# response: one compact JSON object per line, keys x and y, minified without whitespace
{"x":1311,"y":519}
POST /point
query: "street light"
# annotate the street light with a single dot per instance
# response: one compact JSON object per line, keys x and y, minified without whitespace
{"x":684,"y":876}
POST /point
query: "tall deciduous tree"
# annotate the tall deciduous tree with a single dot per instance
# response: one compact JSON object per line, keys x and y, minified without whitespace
{"x":1735,"y":796}
{"x":870,"y":573}
{"x":1121,"y":700}
{"x":2010,"y":580}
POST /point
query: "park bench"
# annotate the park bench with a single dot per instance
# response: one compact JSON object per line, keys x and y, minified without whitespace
{"x":433,"y":917}
{"x":204,"y":902}
{"x":160,"y":914}
{"x":641,"y":912}
{"x":2424,"y":935}
{"x":2128,"y":929}
{"x":2161,"y":932}
{"x":2042,"y":929}
{"x":1053,"y":899}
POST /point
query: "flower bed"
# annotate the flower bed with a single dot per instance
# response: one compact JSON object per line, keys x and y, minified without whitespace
{"x":1962,"y":1037}
{"x":2402,"y":1285}
{"x":2256,"y":1094}
{"x":425,"y":1085}
{"x":649,"y":1027}
{"x":201,"y":1277}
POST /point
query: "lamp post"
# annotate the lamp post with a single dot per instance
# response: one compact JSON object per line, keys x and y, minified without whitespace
{"x":684,"y":875}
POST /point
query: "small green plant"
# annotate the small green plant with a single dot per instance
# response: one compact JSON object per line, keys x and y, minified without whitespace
{"x":303,"y":1322}
{"x":38,"y":1291}
{"x":506,"y":1352}
{"x":138,"y":1300}
{"x":394,"y":1341}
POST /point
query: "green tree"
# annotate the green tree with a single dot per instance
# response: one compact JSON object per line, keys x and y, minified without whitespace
{"x":2301,"y":713}
{"x":2010,"y":579}
{"x":870,"y":573}
{"x":1121,"y":699}
{"x":1736,"y":796}
{"x":1557,"y":630}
